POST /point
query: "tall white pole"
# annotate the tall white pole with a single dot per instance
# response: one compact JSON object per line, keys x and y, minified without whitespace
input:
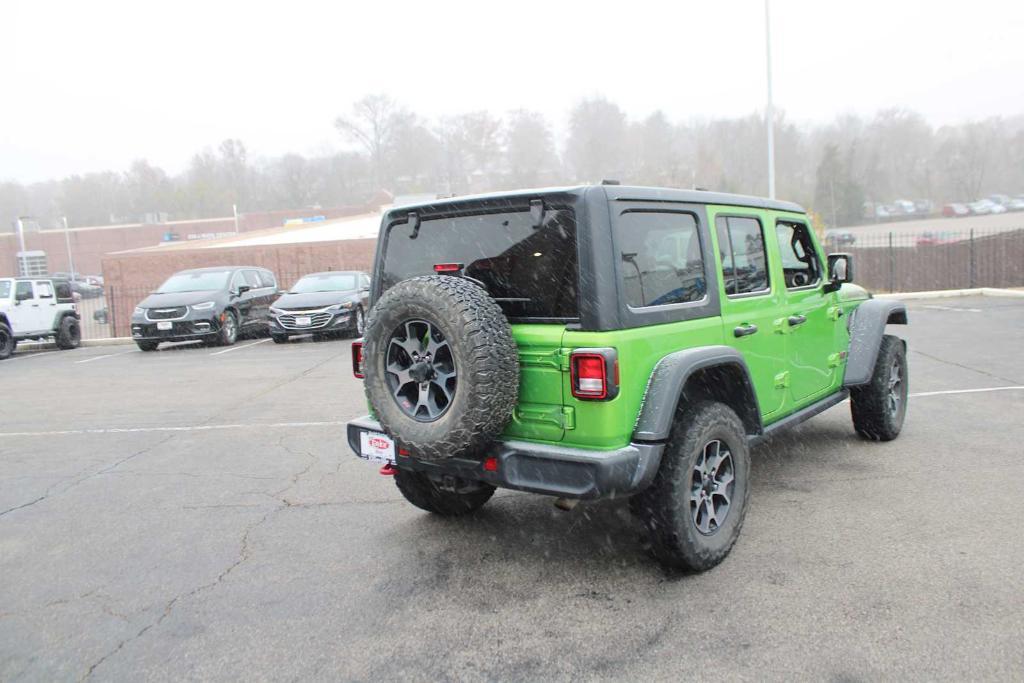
{"x":22,"y":270}
{"x":67,"y":243}
{"x":769,"y":114}
{"x":234,"y":210}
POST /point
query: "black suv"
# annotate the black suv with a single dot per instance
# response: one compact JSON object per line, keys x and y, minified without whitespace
{"x":324,"y":304}
{"x":211,"y":304}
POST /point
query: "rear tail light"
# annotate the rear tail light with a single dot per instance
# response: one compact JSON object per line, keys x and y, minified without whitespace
{"x":357,"y":359}
{"x":594,"y":374}
{"x":447,"y":267}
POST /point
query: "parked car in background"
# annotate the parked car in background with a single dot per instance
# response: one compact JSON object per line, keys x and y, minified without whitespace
{"x":955,"y":210}
{"x":324,"y":304}
{"x":927,"y":239}
{"x":982,"y":207}
{"x":924,"y":207}
{"x":837,"y":238}
{"x":86,"y":287}
{"x":903,"y":207}
{"x":214,"y":305}
{"x":1017,"y":203}
{"x":37,"y":308}
{"x":1000,"y":199}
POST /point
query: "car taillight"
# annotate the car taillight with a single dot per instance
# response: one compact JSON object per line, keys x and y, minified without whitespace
{"x":594,"y":374}
{"x":357,"y":359}
{"x":447,"y":267}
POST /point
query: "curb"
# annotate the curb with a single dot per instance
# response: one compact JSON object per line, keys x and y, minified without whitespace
{"x":949,"y":293}
{"x":106,"y":341}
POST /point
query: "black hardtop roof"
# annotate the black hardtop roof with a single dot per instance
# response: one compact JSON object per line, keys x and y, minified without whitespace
{"x":22,"y":278}
{"x":614,"y":193}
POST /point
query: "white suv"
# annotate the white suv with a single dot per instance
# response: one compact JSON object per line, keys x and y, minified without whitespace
{"x":36,"y":308}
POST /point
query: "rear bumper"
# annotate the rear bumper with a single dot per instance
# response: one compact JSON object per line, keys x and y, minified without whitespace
{"x":542,"y":468}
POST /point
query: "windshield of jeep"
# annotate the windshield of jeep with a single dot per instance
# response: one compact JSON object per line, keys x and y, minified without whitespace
{"x":531,"y":272}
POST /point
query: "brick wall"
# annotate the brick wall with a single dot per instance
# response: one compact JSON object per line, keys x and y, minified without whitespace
{"x":89,"y":246}
{"x":130,"y":277}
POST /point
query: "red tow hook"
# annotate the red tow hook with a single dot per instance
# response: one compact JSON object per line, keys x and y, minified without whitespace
{"x":388,"y":470}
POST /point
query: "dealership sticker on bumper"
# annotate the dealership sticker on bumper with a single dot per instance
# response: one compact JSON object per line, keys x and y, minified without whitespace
{"x":164,"y":326}
{"x":303,"y":321}
{"x":376,"y":447}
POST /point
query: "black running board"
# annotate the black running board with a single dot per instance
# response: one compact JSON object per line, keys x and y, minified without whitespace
{"x":799,"y":416}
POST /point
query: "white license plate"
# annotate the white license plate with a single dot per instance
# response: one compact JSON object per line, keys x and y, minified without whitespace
{"x":165,"y":326}
{"x":303,"y":321}
{"x":376,"y":447}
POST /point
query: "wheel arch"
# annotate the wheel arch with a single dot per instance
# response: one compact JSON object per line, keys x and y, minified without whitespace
{"x":59,"y":318}
{"x":867,"y":325}
{"x":686,"y":377}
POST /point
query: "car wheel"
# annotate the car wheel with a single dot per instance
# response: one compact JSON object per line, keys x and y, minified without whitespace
{"x":879,"y":407}
{"x":69,"y":333}
{"x":228,"y":329}
{"x":147,"y":345}
{"x":426,"y":494}
{"x":7,"y":342}
{"x":442,"y":368}
{"x":279,"y":338}
{"x":358,"y":322}
{"x":694,"y":508}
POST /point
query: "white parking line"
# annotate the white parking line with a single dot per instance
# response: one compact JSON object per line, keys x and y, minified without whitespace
{"x":191,"y":428}
{"x":30,"y":354}
{"x":964,"y":391}
{"x":239,"y":348}
{"x":108,"y":355}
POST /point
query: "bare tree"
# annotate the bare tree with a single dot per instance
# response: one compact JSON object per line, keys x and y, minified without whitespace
{"x":372,"y":125}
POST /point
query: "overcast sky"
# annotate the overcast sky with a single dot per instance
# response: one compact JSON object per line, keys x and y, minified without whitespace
{"x":93,"y":85}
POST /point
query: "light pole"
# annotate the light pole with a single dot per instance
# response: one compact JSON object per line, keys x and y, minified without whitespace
{"x":769,"y":111}
{"x":67,"y":243}
{"x":22,"y":268}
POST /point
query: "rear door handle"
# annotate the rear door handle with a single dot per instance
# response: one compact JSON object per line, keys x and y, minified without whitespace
{"x":744,"y":330}
{"x":795,"y":320}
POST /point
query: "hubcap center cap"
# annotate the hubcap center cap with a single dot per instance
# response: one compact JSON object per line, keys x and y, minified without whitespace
{"x":422,"y":371}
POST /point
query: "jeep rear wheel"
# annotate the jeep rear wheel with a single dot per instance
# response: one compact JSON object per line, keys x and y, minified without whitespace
{"x":695,"y":507}
{"x":452,"y":499}
{"x":442,"y":368}
{"x":7,"y":342}
{"x":69,"y":334}
{"x":879,"y":407}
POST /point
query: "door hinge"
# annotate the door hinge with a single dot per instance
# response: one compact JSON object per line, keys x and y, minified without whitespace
{"x":836,"y":359}
{"x":781,"y":326}
{"x":782,"y":380}
{"x":559,"y":416}
{"x":556,"y":358}
{"x":835,"y":313}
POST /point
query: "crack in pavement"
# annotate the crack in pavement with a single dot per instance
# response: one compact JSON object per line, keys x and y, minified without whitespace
{"x":966,"y":367}
{"x":244,"y":554}
{"x":50,"y":491}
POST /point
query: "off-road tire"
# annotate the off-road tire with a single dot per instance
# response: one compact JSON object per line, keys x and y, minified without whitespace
{"x":485,"y":356}
{"x":665,"y":508}
{"x":871,"y":406}
{"x":279,"y":338}
{"x":427,"y":495}
{"x":224,"y":336}
{"x":69,"y":333}
{"x":147,"y":345}
{"x":7,"y":341}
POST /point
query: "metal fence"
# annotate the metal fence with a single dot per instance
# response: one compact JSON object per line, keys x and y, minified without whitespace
{"x":906,"y":261}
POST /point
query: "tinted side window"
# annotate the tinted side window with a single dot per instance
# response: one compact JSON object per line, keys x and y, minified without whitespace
{"x":237,"y":280}
{"x":23,"y":290}
{"x":252,"y":279}
{"x":63,"y":290}
{"x":800,"y":263}
{"x":661,"y":258}
{"x":267,"y":279}
{"x":364,"y":281}
{"x":744,"y":259}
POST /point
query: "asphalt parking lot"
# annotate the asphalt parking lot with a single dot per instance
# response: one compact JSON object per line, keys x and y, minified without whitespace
{"x":195,"y":513}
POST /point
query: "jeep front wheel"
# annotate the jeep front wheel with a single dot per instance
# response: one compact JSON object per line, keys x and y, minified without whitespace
{"x":695,"y":507}
{"x":69,"y":334}
{"x":879,"y":407}
{"x":7,"y":342}
{"x":455,"y":499}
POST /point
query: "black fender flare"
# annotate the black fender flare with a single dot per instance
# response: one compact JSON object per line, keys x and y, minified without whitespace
{"x":60,"y":317}
{"x":669,"y":378}
{"x":867,"y":325}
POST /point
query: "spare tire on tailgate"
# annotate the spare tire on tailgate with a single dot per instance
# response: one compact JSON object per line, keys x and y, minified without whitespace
{"x":441,"y":366}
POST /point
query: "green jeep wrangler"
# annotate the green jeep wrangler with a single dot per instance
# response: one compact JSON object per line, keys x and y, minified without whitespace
{"x":612,"y":341}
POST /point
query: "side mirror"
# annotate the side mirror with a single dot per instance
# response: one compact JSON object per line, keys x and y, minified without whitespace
{"x":242,"y":289}
{"x":840,"y":270}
